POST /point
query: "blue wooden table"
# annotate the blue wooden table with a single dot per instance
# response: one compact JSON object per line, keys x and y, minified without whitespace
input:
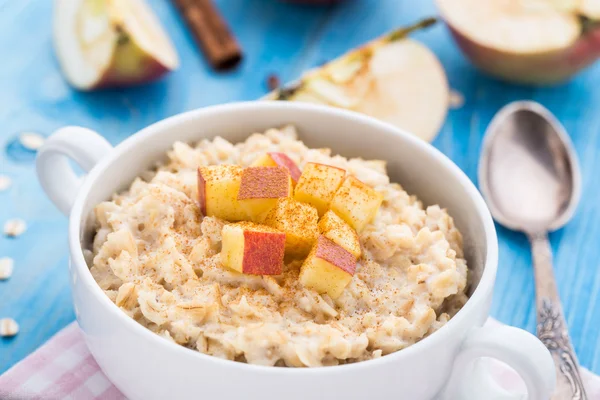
{"x":284,"y":39}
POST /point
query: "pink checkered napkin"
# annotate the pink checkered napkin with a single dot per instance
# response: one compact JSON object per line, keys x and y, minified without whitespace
{"x":63,"y":369}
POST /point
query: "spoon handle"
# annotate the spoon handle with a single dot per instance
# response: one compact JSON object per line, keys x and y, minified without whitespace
{"x":551,"y":325}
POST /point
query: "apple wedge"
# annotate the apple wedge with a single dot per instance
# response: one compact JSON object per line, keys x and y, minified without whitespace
{"x":335,"y":229}
{"x":252,"y":249}
{"x":328,"y":268}
{"x":275,"y":159}
{"x":110,"y":43}
{"x":526,"y":41}
{"x":392,"y":78}
{"x":218,"y":187}
{"x":299,"y":221}
{"x":261,"y":187}
{"x":356,"y":203}
{"x":317,"y":185}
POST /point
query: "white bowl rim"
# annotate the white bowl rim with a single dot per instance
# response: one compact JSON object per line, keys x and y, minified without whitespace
{"x":78,"y":261}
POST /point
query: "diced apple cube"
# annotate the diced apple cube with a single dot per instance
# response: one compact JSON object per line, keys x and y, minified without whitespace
{"x":335,"y":229}
{"x":328,"y":268}
{"x":317,"y":185}
{"x":275,"y":159}
{"x":218,"y":187}
{"x":260,"y":189}
{"x":252,"y":249}
{"x":298,"y":221}
{"x":356,"y":203}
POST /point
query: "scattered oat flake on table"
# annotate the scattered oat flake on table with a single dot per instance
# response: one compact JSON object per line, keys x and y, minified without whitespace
{"x":8,"y":327}
{"x":5,"y":182}
{"x":6,"y":268}
{"x":456,"y":100}
{"x":14,"y":227}
{"x":31,"y":140}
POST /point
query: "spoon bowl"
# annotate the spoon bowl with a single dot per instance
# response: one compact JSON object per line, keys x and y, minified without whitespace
{"x":529,"y":174}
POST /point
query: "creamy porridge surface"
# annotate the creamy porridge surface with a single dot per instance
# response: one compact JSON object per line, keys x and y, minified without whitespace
{"x":159,"y":262}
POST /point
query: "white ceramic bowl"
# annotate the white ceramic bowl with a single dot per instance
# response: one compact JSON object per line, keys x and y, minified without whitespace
{"x":144,"y":366}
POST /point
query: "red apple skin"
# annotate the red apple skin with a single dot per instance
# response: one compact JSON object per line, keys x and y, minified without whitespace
{"x":330,"y":166}
{"x":151,"y":71}
{"x":264,"y":183}
{"x":263,"y":253}
{"x":201,"y":193}
{"x":315,"y":2}
{"x":545,"y":68}
{"x":586,"y":50}
{"x":283,"y":160}
{"x":336,"y":255}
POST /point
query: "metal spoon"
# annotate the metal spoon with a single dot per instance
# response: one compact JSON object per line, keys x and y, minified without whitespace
{"x":529,"y":176}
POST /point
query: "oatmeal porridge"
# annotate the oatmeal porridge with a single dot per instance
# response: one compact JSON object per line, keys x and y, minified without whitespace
{"x":272,"y":253}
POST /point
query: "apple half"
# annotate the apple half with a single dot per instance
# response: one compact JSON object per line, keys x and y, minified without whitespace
{"x":110,"y":43}
{"x":526,"y":41}
{"x":393,"y":78}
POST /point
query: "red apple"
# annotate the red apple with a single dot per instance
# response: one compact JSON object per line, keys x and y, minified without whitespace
{"x":317,"y":185}
{"x":299,"y":221}
{"x":543,"y":42}
{"x":261,"y":187}
{"x":338,"y":231}
{"x":328,"y":268}
{"x":218,"y":187}
{"x":253,"y":249}
{"x":392,"y":78}
{"x":273,"y":159}
{"x":110,"y":43}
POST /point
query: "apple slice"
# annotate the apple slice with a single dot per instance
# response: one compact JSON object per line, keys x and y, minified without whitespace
{"x":252,"y":249}
{"x":328,"y":268}
{"x":356,"y":203}
{"x":110,"y":43}
{"x":261,"y":187}
{"x":317,"y":185}
{"x":274,"y":159}
{"x":335,"y":229}
{"x":218,"y":187}
{"x":526,"y":41}
{"x":299,"y":221}
{"x":393,"y":78}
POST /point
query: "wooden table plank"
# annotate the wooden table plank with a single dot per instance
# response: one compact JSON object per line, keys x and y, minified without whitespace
{"x":285,"y":39}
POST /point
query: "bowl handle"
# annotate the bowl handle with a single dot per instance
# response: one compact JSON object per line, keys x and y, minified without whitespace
{"x":58,"y":179}
{"x":519,"y":349}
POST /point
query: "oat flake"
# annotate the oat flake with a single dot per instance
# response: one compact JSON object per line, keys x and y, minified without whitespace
{"x":32,"y":141}
{"x":5,"y":182}
{"x":8,"y":327}
{"x":6,"y":268}
{"x":14,"y":227}
{"x":456,"y":100}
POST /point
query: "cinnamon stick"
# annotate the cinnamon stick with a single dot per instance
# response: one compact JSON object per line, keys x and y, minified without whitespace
{"x":211,"y":32}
